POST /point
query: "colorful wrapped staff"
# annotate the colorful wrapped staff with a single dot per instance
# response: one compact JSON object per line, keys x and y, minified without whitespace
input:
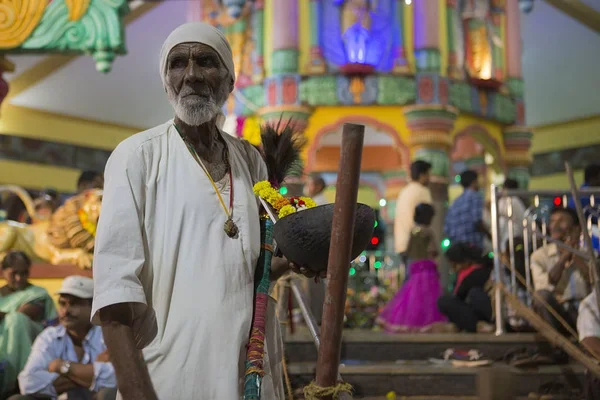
{"x":281,"y":151}
{"x":256,"y":346}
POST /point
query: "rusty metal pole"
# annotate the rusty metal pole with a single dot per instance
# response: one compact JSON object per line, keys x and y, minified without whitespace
{"x":342,"y":233}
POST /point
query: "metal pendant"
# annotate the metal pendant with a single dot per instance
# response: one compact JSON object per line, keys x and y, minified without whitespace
{"x":231,"y":228}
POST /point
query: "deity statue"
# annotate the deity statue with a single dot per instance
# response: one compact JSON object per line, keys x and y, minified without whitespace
{"x":356,"y":24}
{"x":66,"y":237}
{"x":480,"y":36}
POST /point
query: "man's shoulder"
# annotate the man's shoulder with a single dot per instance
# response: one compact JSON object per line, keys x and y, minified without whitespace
{"x":139,"y":139}
{"x":51,"y":334}
{"x":542,"y":252}
{"x":134,"y":143}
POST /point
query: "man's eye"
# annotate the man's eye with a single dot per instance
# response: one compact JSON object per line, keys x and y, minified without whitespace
{"x":207,"y":62}
{"x":178,"y":63}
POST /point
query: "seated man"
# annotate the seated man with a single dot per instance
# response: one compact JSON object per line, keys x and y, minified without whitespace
{"x":560,"y":279}
{"x":469,"y":307}
{"x":588,"y":327}
{"x":70,"y":358}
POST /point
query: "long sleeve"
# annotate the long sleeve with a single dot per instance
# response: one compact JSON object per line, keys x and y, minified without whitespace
{"x":119,"y":249}
{"x":540,"y":270}
{"x":104,"y":376}
{"x":35,"y":378}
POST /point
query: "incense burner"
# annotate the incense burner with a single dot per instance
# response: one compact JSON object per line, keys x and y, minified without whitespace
{"x":304,"y":237}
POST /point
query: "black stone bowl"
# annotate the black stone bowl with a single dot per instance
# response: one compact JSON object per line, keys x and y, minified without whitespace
{"x":304,"y":236}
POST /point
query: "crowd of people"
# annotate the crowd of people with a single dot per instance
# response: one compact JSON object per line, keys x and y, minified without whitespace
{"x":561,"y":280}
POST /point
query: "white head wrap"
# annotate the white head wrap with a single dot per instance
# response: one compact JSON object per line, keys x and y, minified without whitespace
{"x":198,"y":32}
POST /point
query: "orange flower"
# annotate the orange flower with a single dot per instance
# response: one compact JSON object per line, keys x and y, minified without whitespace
{"x":280,"y":203}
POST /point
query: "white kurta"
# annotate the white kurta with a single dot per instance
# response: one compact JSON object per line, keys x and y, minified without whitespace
{"x":409,"y":198}
{"x":160,"y":243}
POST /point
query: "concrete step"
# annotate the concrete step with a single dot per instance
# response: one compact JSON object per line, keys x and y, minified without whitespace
{"x":367,"y":345}
{"x":421,"y":378}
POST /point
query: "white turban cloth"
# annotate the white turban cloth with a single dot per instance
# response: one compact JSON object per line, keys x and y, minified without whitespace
{"x":197,"y":32}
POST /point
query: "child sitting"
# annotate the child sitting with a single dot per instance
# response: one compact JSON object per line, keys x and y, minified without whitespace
{"x":413,"y":308}
{"x":469,"y":307}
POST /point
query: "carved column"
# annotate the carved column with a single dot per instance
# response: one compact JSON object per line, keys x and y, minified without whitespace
{"x":432,"y":88}
{"x":455,"y":38}
{"x":498,"y":53}
{"x":517,"y":156}
{"x":281,"y":87}
{"x":430,"y":127}
{"x":400,"y":64}
{"x":285,"y":37}
{"x":258,"y":33}
{"x":317,"y":64}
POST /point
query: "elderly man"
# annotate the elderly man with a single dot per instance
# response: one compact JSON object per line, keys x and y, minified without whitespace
{"x":179,"y":237}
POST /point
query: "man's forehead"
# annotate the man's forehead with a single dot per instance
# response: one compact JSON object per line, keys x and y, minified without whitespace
{"x":193,"y":46}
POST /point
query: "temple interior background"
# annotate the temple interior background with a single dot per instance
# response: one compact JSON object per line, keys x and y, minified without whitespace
{"x":509,"y":88}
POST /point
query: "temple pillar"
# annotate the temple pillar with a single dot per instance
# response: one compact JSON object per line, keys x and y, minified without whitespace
{"x":258,"y":32}
{"x":497,"y":17}
{"x":426,"y":35}
{"x":517,"y":155}
{"x":432,"y":87}
{"x":317,"y":64}
{"x":284,"y":59}
{"x":430,"y":127}
{"x":282,"y":85}
{"x":400,"y":63}
{"x":454,"y":33}
{"x":513,"y":54}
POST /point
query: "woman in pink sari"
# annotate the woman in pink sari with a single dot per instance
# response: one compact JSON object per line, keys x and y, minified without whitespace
{"x":414,"y":307}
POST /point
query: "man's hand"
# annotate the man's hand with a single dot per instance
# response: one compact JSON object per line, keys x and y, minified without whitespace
{"x":55,"y":365}
{"x":103,"y":357}
{"x":307,"y":272}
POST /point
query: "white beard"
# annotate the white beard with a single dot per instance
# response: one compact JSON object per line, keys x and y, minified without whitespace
{"x":195,"y":111}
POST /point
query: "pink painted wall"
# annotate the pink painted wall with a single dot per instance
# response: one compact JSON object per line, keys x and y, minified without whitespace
{"x":285,"y":24}
{"x":513,"y":39}
{"x":426,"y":24}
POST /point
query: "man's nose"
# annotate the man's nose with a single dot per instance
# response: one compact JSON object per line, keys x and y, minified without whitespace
{"x":192,"y":72}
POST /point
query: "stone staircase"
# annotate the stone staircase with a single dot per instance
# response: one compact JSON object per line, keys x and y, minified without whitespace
{"x":376,"y":363}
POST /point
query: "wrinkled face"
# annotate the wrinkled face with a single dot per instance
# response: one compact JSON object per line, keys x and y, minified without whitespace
{"x":197,"y":83}
{"x":562,"y":226}
{"x":74,"y":312}
{"x":16,"y":275}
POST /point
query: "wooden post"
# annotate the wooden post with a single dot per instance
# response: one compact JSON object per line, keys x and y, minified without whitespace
{"x":495,"y":383}
{"x":342,"y":233}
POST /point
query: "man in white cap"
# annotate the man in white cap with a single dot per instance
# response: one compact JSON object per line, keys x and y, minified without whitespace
{"x":179,"y":238}
{"x":70,"y":360}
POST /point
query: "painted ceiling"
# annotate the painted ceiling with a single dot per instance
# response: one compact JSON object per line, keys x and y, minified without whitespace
{"x":560,"y":65}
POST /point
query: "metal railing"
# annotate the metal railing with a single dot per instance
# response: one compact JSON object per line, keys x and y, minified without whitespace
{"x":534,"y":233}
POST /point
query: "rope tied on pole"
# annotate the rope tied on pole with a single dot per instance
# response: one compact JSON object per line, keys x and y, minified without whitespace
{"x":316,"y":392}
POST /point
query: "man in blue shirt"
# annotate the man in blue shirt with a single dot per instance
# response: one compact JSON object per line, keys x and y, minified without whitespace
{"x":591,"y":178}
{"x":70,"y":358}
{"x":464,"y":219}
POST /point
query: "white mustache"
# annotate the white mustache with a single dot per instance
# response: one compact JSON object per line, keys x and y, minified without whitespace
{"x":186,"y":91}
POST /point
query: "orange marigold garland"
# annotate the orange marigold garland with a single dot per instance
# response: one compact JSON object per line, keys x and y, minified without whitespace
{"x":280,"y":204}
